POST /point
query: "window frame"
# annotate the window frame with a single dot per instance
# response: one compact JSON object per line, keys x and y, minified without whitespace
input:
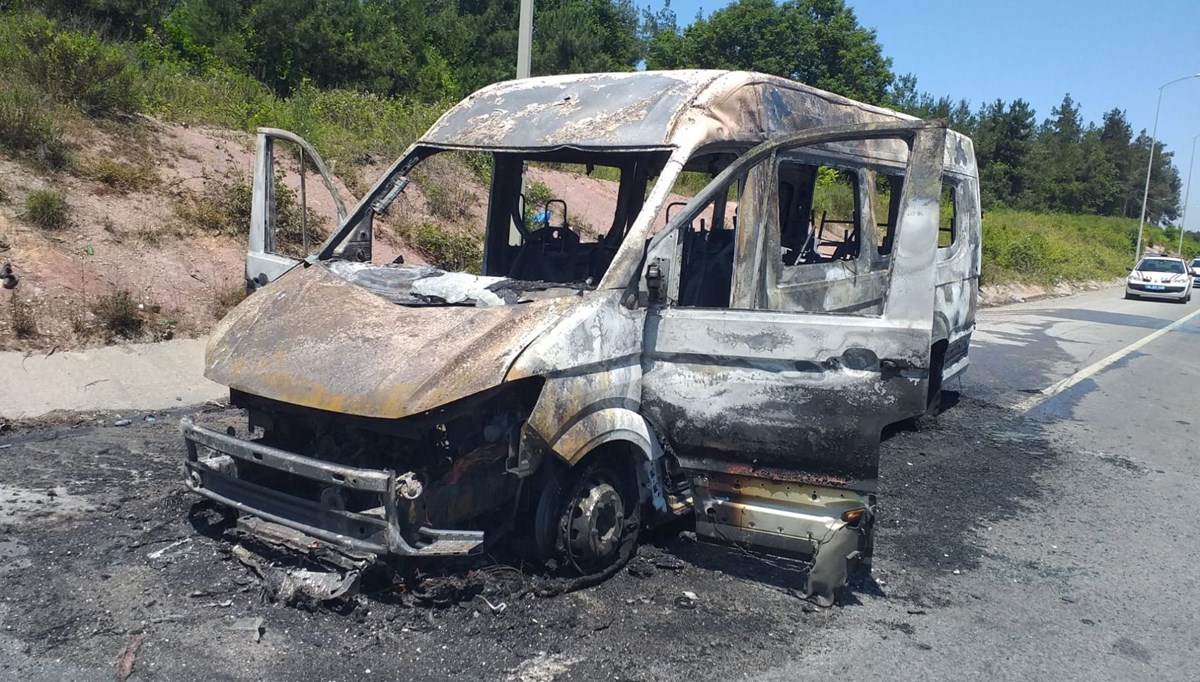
{"x":748,"y":258}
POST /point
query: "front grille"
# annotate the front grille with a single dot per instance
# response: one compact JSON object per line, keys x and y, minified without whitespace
{"x":1162,"y":288}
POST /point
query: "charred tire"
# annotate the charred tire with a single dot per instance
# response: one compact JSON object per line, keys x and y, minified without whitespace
{"x":588,"y":520}
{"x":933,"y":399}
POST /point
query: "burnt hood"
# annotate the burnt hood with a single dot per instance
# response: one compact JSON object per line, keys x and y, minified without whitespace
{"x":314,"y":339}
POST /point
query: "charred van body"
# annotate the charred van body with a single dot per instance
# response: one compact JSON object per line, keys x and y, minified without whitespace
{"x":734,"y":355}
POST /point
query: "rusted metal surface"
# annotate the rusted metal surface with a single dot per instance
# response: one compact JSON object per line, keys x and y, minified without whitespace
{"x":609,"y":111}
{"x":788,"y":518}
{"x":314,"y":339}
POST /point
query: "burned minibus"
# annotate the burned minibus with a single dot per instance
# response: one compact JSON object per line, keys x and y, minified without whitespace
{"x":733,"y":356}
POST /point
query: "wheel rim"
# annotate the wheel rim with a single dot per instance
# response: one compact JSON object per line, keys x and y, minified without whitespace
{"x":595,"y":522}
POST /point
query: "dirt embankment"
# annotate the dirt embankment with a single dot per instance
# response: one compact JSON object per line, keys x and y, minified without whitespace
{"x":992,"y":295}
{"x":143,"y":204}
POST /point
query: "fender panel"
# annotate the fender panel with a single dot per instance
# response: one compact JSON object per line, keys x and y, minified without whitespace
{"x":605,"y":426}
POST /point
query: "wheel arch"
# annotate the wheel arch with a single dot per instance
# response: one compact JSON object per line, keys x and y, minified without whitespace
{"x":617,"y":432}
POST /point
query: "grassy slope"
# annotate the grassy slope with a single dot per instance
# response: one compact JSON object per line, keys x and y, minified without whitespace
{"x":1048,"y":248}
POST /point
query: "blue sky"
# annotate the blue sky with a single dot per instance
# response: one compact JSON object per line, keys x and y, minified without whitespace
{"x":1106,"y":53}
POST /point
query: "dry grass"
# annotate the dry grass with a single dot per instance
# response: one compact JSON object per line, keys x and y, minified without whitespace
{"x":21,"y":319}
{"x":452,"y":251}
{"x":225,"y":299}
{"x":223,"y":208}
{"x":122,"y":177}
{"x":150,"y":235}
{"x":28,"y":128}
{"x":118,"y":315}
{"x":444,"y":180}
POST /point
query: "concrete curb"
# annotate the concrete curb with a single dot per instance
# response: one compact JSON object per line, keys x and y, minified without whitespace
{"x":148,"y":376}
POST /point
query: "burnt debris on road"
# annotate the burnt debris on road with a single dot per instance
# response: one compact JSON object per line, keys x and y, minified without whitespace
{"x":100,"y":544}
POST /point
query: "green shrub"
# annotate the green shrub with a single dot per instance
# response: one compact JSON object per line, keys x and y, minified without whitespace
{"x":118,"y":315}
{"x":1045,"y":248}
{"x":447,"y":201}
{"x":46,"y":209}
{"x":223,"y":208}
{"x":27,"y":127}
{"x":536,"y":196}
{"x":71,"y":66}
{"x":480,"y":164}
{"x":447,"y":250}
{"x":121,"y":176}
{"x":343,"y":125}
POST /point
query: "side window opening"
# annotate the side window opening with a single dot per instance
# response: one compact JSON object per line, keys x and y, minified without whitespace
{"x":839,"y":213}
{"x":301,"y":209}
{"x":947,"y":215}
{"x":819,"y":213}
{"x":707,"y":252}
{"x":888,"y":189}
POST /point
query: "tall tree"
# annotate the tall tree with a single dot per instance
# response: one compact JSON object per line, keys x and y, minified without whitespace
{"x":1003,"y":140}
{"x":818,"y":42}
{"x":1116,"y":136}
{"x":1165,"y":185}
{"x":903,"y":96}
{"x":1056,"y":162}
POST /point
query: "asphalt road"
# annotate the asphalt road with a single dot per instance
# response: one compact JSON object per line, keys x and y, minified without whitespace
{"x":1094,"y":576}
{"x":1044,"y":528}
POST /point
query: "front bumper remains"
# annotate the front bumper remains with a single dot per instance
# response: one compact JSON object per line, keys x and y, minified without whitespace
{"x":211,"y":470}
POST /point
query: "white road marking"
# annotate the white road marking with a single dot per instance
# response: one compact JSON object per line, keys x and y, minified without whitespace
{"x":1056,"y":388}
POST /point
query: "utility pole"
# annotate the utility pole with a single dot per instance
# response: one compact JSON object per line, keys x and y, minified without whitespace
{"x":1137,"y":252}
{"x":524,"y":58}
{"x":1186,"y":192}
{"x":525,"y":39}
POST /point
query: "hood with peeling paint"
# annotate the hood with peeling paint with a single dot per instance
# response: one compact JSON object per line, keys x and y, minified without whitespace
{"x":313,"y":338}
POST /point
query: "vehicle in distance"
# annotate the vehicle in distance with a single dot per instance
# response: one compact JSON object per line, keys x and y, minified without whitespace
{"x":733,"y":357}
{"x":1160,"y":278}
{"x":1195,"y":266}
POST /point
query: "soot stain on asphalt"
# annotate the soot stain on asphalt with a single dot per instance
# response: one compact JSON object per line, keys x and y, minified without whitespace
{"x":978,"y":464}
{"x":135,"y":564}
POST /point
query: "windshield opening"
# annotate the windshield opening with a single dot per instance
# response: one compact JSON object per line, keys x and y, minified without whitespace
{"x":561,"y":216}
{"x":555,"y":216}
{"x":1161,"y":265}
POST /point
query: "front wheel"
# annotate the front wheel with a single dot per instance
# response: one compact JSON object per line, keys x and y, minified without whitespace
{"x":589,"y":522}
